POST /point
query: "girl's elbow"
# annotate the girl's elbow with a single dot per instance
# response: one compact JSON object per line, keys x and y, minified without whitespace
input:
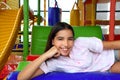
{"x":21,"y":77}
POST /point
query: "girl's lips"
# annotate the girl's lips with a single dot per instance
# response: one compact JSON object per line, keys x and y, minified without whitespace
{"x":64,"y":50}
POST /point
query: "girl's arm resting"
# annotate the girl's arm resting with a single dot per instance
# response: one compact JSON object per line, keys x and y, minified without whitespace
{"x":111,"y":44}
{"x":32,"y":69}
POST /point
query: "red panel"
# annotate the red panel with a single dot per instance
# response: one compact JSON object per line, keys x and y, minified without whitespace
{"x":32,"y":57}
{"x":116,"y":37}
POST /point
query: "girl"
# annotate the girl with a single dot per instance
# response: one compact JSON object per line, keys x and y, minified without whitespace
{"x":63,"y":53}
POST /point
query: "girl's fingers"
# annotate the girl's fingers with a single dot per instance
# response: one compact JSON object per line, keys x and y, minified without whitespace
{"x":52,"y":52}
{"x":57,"y":55}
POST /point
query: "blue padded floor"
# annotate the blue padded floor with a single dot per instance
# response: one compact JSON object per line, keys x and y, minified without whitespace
{"x":72,"y":76}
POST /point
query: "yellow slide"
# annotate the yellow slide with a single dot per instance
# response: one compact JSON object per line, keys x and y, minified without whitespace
{"x":10,"y":21}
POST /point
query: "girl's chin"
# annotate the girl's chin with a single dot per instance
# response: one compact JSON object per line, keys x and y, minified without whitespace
{"x":64,"y":53}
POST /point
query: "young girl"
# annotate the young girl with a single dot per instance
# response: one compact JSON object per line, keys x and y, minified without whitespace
{"x":63,"y":53}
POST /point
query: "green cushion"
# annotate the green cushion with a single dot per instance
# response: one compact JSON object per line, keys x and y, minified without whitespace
{"x":39,"y":39}
{"x":40,"y":36}
{"x":88,"y":31}
{"x":22,"y":65}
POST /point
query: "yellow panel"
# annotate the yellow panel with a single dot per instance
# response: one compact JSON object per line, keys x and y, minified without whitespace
{"x":10,"y":21}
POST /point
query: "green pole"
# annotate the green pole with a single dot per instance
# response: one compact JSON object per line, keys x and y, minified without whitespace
{"x":38,"y":15}
{"x":25,"y":29}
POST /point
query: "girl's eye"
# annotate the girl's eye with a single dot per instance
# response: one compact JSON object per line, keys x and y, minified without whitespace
{"x":60,"y":38}
{"x":72,"y":39}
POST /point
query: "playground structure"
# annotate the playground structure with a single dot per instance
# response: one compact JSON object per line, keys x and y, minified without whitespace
{"x":88,"y":15}
{"x":10,"y":21}
{"x":12,"y":32}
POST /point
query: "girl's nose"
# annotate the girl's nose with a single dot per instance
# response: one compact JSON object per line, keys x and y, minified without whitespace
{"x":65,"y":43}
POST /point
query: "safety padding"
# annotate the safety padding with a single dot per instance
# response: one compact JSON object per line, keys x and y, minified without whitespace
{"x":71,"y":76}
{"x":39,"y":39}
{"x":21,"y":65}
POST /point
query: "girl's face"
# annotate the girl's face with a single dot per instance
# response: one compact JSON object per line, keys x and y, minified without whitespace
{"x":64,"y":41}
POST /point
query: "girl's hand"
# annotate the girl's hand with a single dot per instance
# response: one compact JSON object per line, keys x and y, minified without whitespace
{"x":52,"y":52}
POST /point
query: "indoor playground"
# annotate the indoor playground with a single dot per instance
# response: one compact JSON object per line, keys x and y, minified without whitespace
{"x":26,"y":24}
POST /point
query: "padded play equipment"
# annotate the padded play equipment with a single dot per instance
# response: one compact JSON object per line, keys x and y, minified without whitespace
{"x":10,"y":21}
{"x":54,"y":14}
{"x":72,"y":76}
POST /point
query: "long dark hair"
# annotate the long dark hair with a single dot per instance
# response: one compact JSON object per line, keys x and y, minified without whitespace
{"x":56,"y":28}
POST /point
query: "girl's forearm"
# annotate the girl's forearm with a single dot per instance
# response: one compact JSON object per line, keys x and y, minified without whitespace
{"x":30,"y":69}
{"x":111,"y":44}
